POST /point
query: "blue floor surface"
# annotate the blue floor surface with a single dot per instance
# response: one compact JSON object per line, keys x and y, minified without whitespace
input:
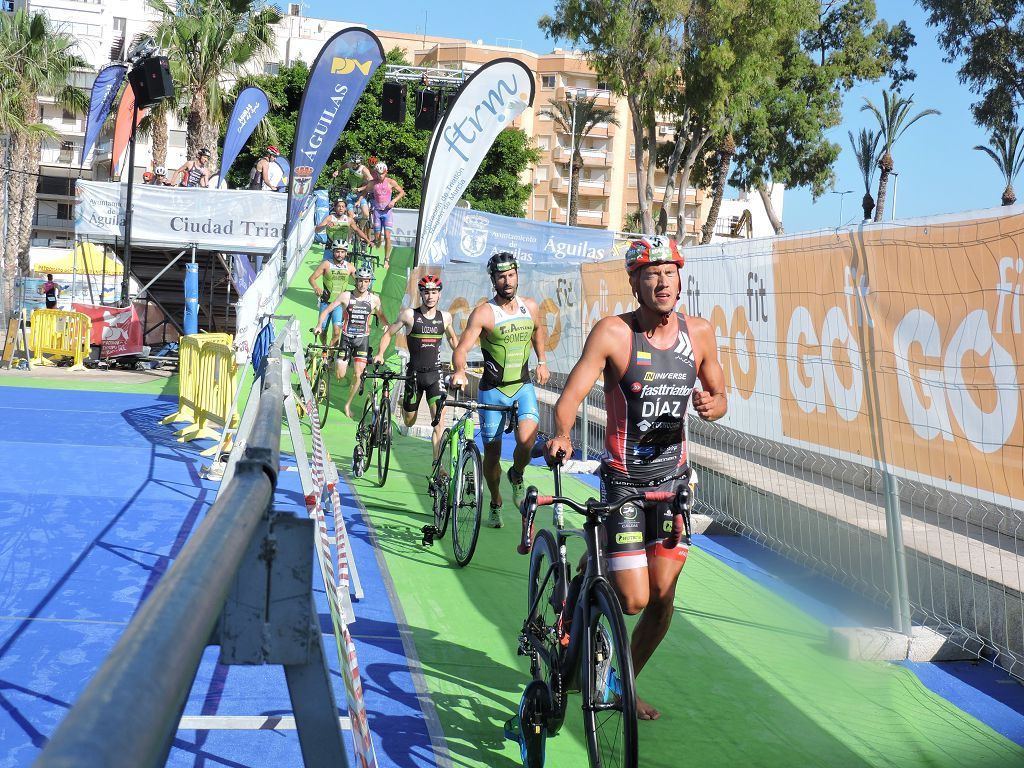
{"x":97,"y":500}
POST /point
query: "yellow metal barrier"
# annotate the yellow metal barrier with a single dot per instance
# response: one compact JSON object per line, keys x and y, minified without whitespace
{"x":188,"y":372}
{"x":61,"y":334}
{"x":207,"y":388}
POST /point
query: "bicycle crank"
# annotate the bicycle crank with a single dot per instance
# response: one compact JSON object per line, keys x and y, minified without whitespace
{"x":430,"y":532}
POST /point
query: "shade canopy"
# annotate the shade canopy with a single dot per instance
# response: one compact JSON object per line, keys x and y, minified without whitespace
{"x":86,"y":258}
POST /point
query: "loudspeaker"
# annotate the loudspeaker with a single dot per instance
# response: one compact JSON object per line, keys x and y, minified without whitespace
{"x":427,"y":103}
{"x":151,"y":81}
{"x":392,"y":102}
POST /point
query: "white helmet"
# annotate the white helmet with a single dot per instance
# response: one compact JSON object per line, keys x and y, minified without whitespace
{"x":381,"y":168}
{"x":160,"y":171}
{"x":364,"y":273}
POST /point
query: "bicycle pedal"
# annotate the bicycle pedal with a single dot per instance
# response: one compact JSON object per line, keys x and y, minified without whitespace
{"x":429,"y":532}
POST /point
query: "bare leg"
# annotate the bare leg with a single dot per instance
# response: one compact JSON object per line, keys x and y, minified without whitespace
{"x":492,"y":471}
{"x":526,"y":436}
{"x":435,"y":438}
{"x":387,"y":248}
{"x":357,"y":371}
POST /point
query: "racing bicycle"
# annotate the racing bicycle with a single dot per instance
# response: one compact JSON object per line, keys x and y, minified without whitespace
{"x":319,"y":366}
{"x":574,"y":634}
{"x":456,"y":482}
{"x":374,"y":430}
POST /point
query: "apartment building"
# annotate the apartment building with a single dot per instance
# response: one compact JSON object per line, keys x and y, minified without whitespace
{"x":607,"y":193}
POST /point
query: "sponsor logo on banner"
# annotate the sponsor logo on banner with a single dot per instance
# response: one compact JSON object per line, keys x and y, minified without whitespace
{"x":302,"y":180}
{"x":947,"y":373}
{"x":347,"y":66}
{"x":474,"y":236}
{"x":251,"y":106}
{"x":101,"y":98}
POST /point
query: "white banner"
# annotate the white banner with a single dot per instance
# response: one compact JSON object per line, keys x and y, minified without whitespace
{"x":488,"y":102}
{"x":172,"y":217}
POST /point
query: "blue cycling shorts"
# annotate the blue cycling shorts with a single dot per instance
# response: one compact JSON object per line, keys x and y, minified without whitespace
{"x":492,"y":423}
{"x":337,"y":314}
{"x":354,"y":200}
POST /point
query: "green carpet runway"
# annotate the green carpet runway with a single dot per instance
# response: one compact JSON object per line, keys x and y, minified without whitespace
{"x":743,"y":678}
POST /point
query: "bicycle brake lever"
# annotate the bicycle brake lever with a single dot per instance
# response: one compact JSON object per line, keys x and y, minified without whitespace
{"x":528,"y":510}
{"x":440,"y":406}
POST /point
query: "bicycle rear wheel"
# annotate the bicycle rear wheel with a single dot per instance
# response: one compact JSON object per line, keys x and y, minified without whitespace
{"x":547,"y":589}
{"x":442,"y":490}
{"x":467,"y":500}
{"x":383,"y":442}
{"x":609,"y":695}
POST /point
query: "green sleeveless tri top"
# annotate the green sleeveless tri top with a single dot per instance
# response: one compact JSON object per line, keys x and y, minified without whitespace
{"x":507,"y":349}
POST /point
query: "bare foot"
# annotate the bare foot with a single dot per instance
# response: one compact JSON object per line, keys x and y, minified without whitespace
{"x":645,"y":711}
{"x":347,"y":411}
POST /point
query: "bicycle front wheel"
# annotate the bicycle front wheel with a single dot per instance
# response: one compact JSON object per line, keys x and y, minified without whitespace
{"x":609,"y":695}
{"x":322,"y":391}
{"x":546,"y":592}
{"x":467,"y":499}
{"x":383,"y":442}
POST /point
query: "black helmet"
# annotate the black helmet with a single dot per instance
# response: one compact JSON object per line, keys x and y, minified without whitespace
{"x":502,"y":261}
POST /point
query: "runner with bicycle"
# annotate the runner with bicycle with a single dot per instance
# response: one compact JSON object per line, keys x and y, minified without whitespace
{"x":333,"y":273}
{"x":651,"y":359}
{"x":381,"y":190}
{"x":353,"y":175}
{"x":506,"y":327}
{"x":425,"y":326}
{"x":358,"y":306}
{"x":340,"y":225}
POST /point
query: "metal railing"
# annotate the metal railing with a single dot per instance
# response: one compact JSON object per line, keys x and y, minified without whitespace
{"x":129,"y":713}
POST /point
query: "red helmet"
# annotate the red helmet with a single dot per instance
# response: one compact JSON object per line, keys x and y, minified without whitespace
{"x":428,"y":280}
{"x":652,"y":250}
{"x":272,"y":151}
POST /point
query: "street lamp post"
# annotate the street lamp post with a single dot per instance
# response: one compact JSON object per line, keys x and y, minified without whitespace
{"x":842,"y":196}
{"x":895,"y":189}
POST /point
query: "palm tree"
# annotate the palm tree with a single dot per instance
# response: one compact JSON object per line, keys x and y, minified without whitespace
{"x":578,"y":118}
{"x":893,"y":122}
{"x":725,"y":153}
{"x":865,"y":149}
{"x":36,"y":61}
{"x":1007,"y":153}
{"x":209,"y":42}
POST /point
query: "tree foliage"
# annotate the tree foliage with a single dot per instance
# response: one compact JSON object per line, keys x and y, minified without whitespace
{"x":1007,"y":151}
{"x":987,"y":38}
{"x":894,"y":119}
{"x":36,"y":61}
{"x":495,"y":188}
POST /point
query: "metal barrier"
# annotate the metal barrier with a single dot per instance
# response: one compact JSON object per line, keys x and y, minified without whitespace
{"x":61,"y":334}
{"x":129,"y":713}
{"x":206,"y":387}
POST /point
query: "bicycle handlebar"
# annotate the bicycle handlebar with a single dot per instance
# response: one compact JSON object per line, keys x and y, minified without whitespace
{"x":474,"y":405}
{"x":681,"y":500}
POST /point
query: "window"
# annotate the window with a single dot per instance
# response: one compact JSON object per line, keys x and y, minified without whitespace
{"x":632,"y":151}
{"x":632,"y":181}
{"x":602,"y":86}
{"x":543,"y":143}
{"x":540,"y":203}
{"x":176,"y":139}
{"x":67,"y":150}
{"x":65,"y":211}
{"x":119,"y":26}
{"x":271,"y":67}
{"x":540,"y":173}
{"x":547,"y":81}
{"x":69,"y":116}
{"x":544,"y":116}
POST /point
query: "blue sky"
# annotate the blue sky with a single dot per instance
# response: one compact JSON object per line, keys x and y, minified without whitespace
{"x":939,"y":170}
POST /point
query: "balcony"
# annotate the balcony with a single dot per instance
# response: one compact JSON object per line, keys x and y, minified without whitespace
{"x":585,"y":218}
{"x":603,"y":131}
{"x":602,"y":96}
{"x":586,"y":188}
{"x":63,"y":157}
{"x":592,"y":158}
{"x":52,"y":222}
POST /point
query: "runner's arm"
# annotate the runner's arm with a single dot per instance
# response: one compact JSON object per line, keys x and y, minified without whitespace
{"x":379,"y":312}
{"x":318,"y":272}
{"x":539,"y":342}
{"x":597,"y":350}
{"x":449,"y":329}
{"x":404,"y":321}
{"x":401,"y":193}
{"x":474,"y":327}
{"x":710,"y":402}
